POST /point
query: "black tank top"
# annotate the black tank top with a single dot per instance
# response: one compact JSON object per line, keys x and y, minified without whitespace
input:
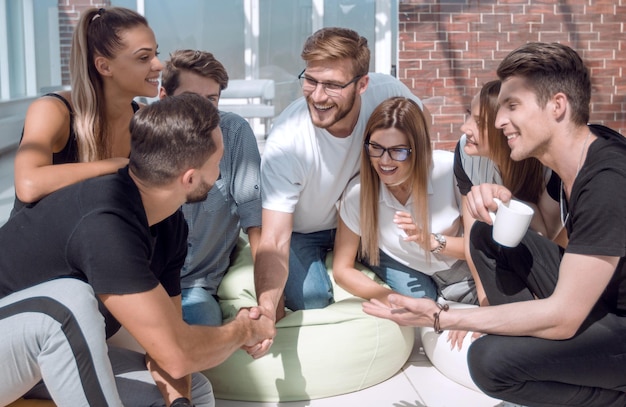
{"x":69,"y":153}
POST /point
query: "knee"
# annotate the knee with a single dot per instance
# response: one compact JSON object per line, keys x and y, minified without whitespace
{"x":480,"y":235}
{"x":207,"y":312}
{"x":487,"y":367}
{"x":318,"y":299}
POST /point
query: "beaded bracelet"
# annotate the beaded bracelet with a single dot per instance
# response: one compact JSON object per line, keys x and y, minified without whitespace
{"x":436,"y":324}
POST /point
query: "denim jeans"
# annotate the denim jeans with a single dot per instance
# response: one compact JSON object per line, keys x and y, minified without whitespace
{"x":200,"y":307}
{"x":309,"y":285}
{"x":403,"y":279}
{"x":588,"y":369}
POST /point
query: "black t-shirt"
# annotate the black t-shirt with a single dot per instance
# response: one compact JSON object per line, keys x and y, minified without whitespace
{"x":95,"y":231}
{"x":596,"y":223}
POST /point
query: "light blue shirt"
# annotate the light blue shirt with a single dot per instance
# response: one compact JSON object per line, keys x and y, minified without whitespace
{"x":233,"y":203}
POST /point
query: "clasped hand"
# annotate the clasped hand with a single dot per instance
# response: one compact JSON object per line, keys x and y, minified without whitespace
{"x":263,"y":325}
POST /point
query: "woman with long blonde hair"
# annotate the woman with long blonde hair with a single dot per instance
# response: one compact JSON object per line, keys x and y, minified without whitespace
{"x":482,"y":155}
{"x":74,"y":135}
{"x":403,"y":212}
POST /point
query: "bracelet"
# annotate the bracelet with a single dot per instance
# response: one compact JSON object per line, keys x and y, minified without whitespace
{"x":181,"y":402}
{"x":441,"y":239}
{"x":436,"y":324}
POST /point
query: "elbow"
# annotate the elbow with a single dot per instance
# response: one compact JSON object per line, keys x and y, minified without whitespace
{"x":26,"y":192}
{"x":566,"y":329}
{"x":339,"y":276}
{"x":174,"y":362}
{"x":177,"y":368}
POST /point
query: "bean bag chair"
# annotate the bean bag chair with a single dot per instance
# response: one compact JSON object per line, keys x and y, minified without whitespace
{"x":452,"y":363}
{"x":316,"y":353}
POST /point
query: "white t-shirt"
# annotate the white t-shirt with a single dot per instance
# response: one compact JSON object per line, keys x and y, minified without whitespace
{"x":304,"y":169}
{"x":444,"y":202}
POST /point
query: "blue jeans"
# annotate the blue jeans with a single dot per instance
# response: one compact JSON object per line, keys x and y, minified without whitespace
{"x":200,"y":307}
{"x":308,"y":285}
{"x":588,"y":369}
{"x":403,"y":279}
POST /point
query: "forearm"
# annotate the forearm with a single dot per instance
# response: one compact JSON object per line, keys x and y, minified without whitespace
{"x":271,"y":269}
{"x":170,"y":388}
{"x":34,"y":184}
{"x":468,"y":222}
{"x":529,"y":318}
{"x":455,"y":246}
{"x":204,"y":347}
{"x":357,"y":283}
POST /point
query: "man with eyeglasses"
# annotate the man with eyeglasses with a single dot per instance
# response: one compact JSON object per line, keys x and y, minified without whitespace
{"x":311,"y":154}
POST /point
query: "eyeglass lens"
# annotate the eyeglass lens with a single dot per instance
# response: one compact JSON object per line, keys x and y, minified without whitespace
{"x":395,"y":153}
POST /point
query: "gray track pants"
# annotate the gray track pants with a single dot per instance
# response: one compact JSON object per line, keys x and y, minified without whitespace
{"x":37,"y":346}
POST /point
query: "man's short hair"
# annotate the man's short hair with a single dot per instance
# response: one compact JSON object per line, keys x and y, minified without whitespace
{"x":199,"y":62}
{"x":172,"y":135}
{"x":548,"y":70}
{"x":332,"y":43}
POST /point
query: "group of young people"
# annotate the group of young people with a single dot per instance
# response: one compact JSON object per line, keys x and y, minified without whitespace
{"x":348,"y":167}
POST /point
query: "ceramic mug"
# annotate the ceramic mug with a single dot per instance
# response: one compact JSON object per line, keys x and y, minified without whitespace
{"x":510,"y":222}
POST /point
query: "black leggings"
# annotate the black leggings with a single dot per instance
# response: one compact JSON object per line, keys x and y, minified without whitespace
{"x":587,"y":370}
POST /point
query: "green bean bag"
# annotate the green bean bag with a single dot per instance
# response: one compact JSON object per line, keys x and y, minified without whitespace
{"x":316,"y":353}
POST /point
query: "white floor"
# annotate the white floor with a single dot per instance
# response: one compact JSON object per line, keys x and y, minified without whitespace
{"x":418,"y":384}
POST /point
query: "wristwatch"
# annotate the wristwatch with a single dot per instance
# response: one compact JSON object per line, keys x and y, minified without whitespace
{"x":181,"y":402}
{"x":441,"y":239}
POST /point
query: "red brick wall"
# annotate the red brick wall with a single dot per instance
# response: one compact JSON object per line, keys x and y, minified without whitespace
{"x":69,"y":14}
{"x":449,"y":48}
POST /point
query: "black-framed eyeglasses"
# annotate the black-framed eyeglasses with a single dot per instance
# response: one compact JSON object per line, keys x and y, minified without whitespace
{"x":331,"y":89}
{"x":395,"y":153}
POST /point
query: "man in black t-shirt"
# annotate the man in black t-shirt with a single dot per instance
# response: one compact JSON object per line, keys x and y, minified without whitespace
{"x":557,"y":316}
{"x":100,"y":236}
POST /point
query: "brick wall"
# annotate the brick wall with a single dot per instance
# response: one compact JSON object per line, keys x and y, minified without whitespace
{"x":69,"y":14}
{"x":449,"y":48}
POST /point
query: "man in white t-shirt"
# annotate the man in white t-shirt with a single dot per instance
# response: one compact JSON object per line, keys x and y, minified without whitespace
{"x":310,"y":156}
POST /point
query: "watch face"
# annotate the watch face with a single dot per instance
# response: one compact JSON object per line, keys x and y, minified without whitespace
{"x":442,"y":242}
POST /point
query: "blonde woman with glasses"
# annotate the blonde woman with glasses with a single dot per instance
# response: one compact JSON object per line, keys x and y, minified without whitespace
{"x":401,"y":217}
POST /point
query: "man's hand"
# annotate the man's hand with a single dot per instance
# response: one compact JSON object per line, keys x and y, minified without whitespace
{"x":480,"y":200}
{"x":263,"y":330}
{"x":405,"y":311}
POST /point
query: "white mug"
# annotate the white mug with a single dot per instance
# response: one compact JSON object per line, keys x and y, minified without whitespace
{"x":510,"y":222}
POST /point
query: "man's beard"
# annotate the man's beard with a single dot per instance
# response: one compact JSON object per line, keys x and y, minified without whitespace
{"x":200,"y":194}
{"x":340,"y":114}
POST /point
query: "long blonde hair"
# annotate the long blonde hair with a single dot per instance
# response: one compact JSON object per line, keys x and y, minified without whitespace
{"x":406,"y":116}
{"x":97,"y":33}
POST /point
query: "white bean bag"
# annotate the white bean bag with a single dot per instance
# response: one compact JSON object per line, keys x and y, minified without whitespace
{"x":316,"y":353}
{"x":452,"y":363}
